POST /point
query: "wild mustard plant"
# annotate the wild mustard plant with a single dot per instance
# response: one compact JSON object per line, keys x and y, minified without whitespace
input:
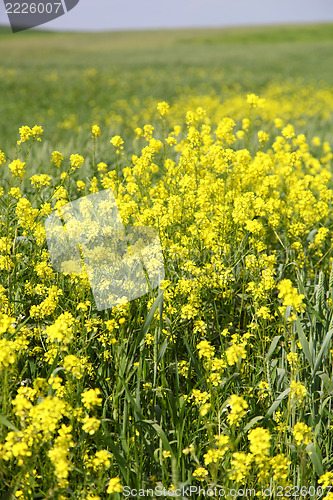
{"x":222,"y":375}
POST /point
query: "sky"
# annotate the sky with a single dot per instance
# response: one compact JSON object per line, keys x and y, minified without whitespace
{"x":105,"y":15}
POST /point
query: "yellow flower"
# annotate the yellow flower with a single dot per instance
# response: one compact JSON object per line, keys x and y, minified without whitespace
{"x":259,"y":442}
{"x":235,"y":353}
{"x":25,"y":134}
{"x":102,"y":458}
{"x":15,"y":192}
{"x":117,"y":142}
{"x":246,"y":124}
{"x":280,"y":465}
{"x":138,"y":132}
{"x":215,"y":455}
{"x":297,"y":391}
{"x":2,"y":157}
{"x":17,"y":168}
{"x":204,"y":409}
{"x":163,"y":108}
{"x":240,"y":464}
{"x":302,"y":433}
{"x":40,"y":180}
{"x":292,"y":358}
{"x":278,"y":123}
{"x":102,"y":167}
{"x":114,"y":486}
{"x":262,"y":136}
{"x":57,"y":158}
{"x":36,"y":132}
{"x":200,"y":397}
{"x":290,"y":295}
{"x":238,"y":409}
{"x":62,"y":329}
{"x":200,"y":473}
{"x":76,"y":160}
{"x":76,"y":366}
{"x":59,"y":455}
{"x":316,"y":141}
{"x":206,"y":350}
{"x":148,"y":132}
{"x":90,"y":425}
{"x":326,"y":479}
{"x":288,"y":131}
{"x":254,"y":101}
{"x":7,"y":353}
{"x":96,"y":131}
{"x":91,"y":398}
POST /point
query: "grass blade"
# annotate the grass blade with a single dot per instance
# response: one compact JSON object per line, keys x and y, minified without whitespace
{"x":272,"y":347}
{"x":277,"y":402}
{"x":324,"y":346}
{"x":315,"y":458}
{"x":304,"y":342}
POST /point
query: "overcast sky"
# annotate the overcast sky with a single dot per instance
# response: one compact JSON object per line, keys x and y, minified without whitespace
{"x":95,"y":15}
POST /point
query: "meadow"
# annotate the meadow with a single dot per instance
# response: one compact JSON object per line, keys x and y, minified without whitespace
{"x":221,"y":378}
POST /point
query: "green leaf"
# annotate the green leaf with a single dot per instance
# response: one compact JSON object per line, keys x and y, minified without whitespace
{"x":304,"y":342}
{"x":150,"y":316}
{"x":194,"y":362}
{"x":272,"y":346}
{"x":251,"y":423}
{"x":277,"y":402}
{"x":161,"y":352}
{"x":4,"y":421}
{"x":324,"y":346}
{"x":161,"y":434}
{"x":121,"y":462}
{"x":315,"y":457}
{"x":145,"y":327}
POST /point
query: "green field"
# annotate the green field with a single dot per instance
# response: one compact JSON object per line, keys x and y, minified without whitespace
{"x":149,"y":64}
{"x":221,"y":377}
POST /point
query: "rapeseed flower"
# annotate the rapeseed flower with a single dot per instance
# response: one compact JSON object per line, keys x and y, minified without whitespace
{"x":76,"y":161}
{"x":25,"y":134}
{"x":57,"y":158}
{"x":240,"y":466}
{"x":90,"y":425}
{"x":41,"y":180}
{"x":7,"y":353}
{"x":17,"y":167}
{"x":280,"y":466}
{"x":62,"y":329}
{"x":200,"y":473}
{"x":114,"y":486}
{"x":297,"y":391}
{"x":302,"y":433}
{"x":163,"y":108}
{"x":206,"y":350}
{"x":91,"y":398}
{"x":238,"y":409}
{"x":259,"y":442}
{"x":96,"y":131}
{"x":2,"y":157}
{"x":226,"y":197}
{"x":326,"y":479}
{"x":117,"y":142}
{"x":101,"y":459}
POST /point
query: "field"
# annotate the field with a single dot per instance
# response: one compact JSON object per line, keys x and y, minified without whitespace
{"x":220,"y":378}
